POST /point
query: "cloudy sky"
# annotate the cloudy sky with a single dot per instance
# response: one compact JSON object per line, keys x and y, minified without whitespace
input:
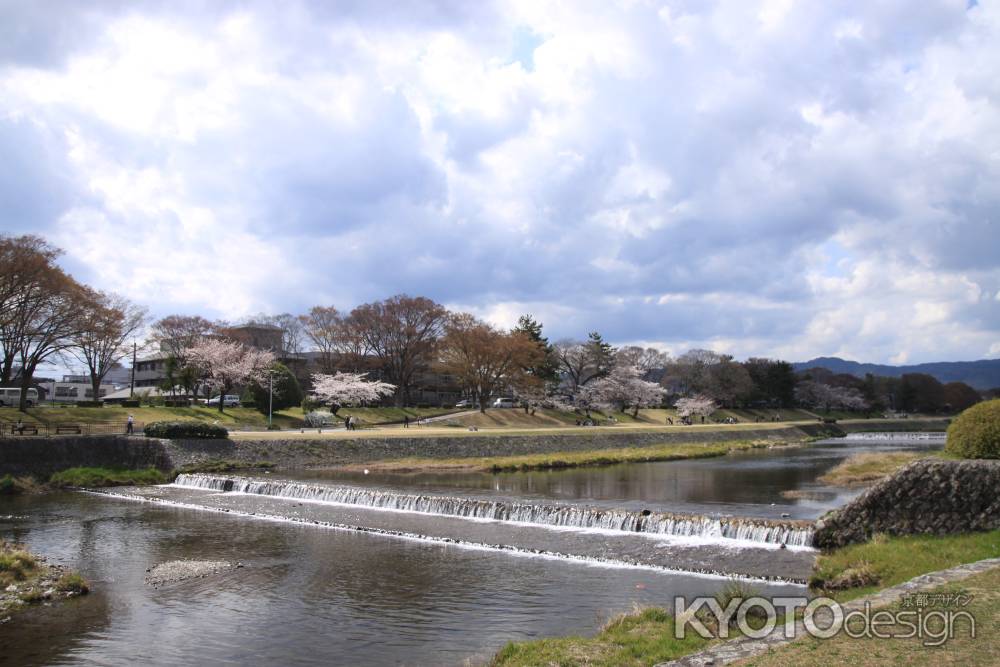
{"x":764,"y":178}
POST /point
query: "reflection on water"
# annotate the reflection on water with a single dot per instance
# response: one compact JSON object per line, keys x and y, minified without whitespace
{"x":307,"y":595}
{"x":748,"y":483}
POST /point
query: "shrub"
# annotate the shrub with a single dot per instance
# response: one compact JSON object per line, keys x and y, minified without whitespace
{"x":975,"y":434}
{"x":185,"y":429}
{"x":7,"y":486}
{"x":90,"y":404}
{"x":131,"y":404}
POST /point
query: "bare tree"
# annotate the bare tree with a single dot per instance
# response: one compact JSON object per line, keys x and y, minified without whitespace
{"x":291,"y":332}
{"x":177,"y":333}
{"x":336,"y":338}
{"x":401,"y":332}
{"x":484,"y":358}
{"x":24,"y":262}
{"x":45,"y":321}
{"x":108,"y":325}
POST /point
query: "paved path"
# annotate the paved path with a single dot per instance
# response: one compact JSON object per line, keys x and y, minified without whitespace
{"x":741,"y":649}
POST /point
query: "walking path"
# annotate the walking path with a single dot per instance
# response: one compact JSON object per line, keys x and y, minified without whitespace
{"x":741,"y":649}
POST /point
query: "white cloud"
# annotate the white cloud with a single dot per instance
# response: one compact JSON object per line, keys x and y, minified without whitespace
{"x":784,"y":178}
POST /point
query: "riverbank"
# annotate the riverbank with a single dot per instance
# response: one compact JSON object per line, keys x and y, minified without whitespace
{"x":559,"y":460}
{"x":26,"y":579}
{"x":645,"y":637}
{"x":866,"y":469}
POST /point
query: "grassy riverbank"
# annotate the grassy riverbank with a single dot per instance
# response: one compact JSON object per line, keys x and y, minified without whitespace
{"x":555,"y":460}
{"x":887,"y":561}
{"x":644,"y":637}
{"x":864,"y":469}
{"x":97,"y":477}
{"x":26,"y":578}
{"x":960,"y":649}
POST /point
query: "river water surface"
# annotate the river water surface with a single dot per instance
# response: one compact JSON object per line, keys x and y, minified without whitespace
{"x":349,"y":584}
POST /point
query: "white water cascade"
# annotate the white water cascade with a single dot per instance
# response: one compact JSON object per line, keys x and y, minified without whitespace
{"x":792,"y":533}
{"x":898,"y":435}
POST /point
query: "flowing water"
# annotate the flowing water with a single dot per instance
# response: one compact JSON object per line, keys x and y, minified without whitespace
{"x":415,"y":569}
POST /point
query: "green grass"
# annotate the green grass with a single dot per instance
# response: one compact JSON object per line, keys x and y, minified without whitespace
{"x":961,"y":649}
{"x":222,"y":465}
{"x":894,"y":560}
{"x":861,"y":469}
{"x":381,"y":415}
{"x":644,"y":637}
{"x":237,"y":417}
{"x":72,"y":582}
{"x":16,"y":564}
{"x":95,"y":477}
{"x":595,"y":457}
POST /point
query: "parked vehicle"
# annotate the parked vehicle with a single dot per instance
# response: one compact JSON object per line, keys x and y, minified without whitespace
{"x":228,"y":401}
{"x":505,"y":403}
{"x":466,"y":403}
{"x":11,"y":396}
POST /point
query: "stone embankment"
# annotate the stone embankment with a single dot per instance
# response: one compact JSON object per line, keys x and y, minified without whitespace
{"x":928,"y":496}
{"x":292,"y":452}
{"x":43,"y":456}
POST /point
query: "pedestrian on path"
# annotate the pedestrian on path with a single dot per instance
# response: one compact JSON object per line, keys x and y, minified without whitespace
{"x":129,"y":425}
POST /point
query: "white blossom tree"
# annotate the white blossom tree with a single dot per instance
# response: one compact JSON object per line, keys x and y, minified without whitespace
{"x":823,"y":396}
{"x":226,"y":364}
{"x":348,"y":389}
{"x":695,"y":406}
{"x":622,"y":388}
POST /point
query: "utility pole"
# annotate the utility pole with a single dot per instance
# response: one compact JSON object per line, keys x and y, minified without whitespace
{"x":270,"y":397}
{"x":131,"y":389}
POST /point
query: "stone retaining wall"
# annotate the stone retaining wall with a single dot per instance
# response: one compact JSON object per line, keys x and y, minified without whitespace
{"x":44,"y":456}
{"x":314,"y":452}
{"x":926,"y":496}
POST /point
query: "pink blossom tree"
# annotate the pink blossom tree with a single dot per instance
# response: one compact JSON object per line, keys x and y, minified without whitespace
{"x":695,"y":406}
{"x":622,"y":388}
{"x":348,"y":389}
{"x":225,"y":364}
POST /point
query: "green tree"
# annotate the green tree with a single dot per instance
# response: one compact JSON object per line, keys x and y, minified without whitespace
{"x":285,"y":387}
{"x":546,"y":367}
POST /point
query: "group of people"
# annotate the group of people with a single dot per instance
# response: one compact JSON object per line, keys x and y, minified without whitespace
{"x":350,"y":424}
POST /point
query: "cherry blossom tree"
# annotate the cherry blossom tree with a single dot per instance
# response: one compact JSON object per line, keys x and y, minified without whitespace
{"x":348,"y":389}
{"x":819,"y":395}
{"x":622,"y":388}
{"x":695,"y":406}
{"x":226,"y":364}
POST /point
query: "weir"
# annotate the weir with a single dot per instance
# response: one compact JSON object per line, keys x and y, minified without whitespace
{"x":792,"y":533}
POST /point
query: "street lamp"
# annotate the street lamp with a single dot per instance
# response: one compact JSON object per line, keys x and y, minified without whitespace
{"x":270,"y":396}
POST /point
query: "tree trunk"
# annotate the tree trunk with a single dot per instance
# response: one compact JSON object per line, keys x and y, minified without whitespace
{"x":27,"y":373}
{"x":95,"y":384}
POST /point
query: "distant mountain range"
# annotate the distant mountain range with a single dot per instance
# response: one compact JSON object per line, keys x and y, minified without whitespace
{"x":982,"y":374}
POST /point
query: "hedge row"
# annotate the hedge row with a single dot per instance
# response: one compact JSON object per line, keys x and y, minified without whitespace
{"x":185,"y":429}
